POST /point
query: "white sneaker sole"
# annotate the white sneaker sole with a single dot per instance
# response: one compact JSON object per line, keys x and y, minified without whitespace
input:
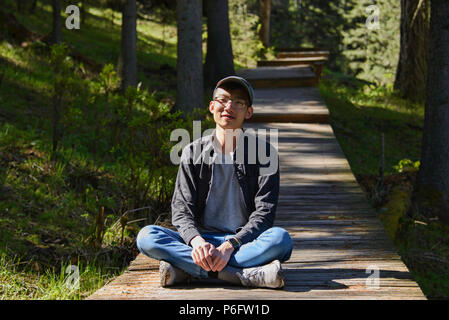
{"x":165,"y":274}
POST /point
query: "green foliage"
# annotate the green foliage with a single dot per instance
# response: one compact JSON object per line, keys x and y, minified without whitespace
{"x":406,"y":165}
{"x":361,"y":112}
{"x":394,"y":210}
{"x":142,"y":145}
{"x":372,"y":54}
{"x":311,"y":24}
{"x":62,"y":87}
{"x":424,"y":247}
{"x":246,"y":45}
{"x":108,"y":79}
{"x":18,"y":280}
{"x":112,"y":152}
{"x":340,"y":26}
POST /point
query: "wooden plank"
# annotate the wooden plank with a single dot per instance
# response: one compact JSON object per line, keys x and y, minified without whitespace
{"x":291,"y":61}
{"x":291,"y":292}
{"x":303,"y":54}
{"x":313,"y":195}
{"x":279,"y":77}
{"x":293,"y":104}
{"x":320,"y":213}
{"x":282,"y":117}
{"x":320,"y":192}
{"x":338,"y":184}
{"x":282,"y":219}
{"x":301,"y":161}
{"x":310,"y":177}
{"x":277,"y":73}
{"x":315,"y":62}
{"x":306,"y":49}
{"x":335,"y":227}
{"x":284,"y":82}
{"x":289,"y":221}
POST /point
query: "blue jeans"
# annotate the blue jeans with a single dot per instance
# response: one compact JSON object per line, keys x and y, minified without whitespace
{"x":164,"y":244}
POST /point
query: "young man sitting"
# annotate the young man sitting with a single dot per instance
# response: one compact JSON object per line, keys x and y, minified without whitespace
{"x":223,"y":208}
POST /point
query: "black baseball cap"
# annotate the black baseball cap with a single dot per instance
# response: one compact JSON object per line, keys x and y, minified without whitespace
{"x":245,"y":84}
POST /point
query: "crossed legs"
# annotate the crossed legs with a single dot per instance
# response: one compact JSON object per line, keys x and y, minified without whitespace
{"x":164,"y":244}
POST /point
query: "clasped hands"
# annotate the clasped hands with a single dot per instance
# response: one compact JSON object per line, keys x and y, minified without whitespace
{"x":208,"y":257}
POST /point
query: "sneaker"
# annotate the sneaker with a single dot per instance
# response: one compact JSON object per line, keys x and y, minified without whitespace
{"x":171,"y":275}
{"x":267,"y":276}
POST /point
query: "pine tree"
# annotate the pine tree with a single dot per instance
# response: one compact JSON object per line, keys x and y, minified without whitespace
{"x":219,"y":58}
{"x":190,"y":81}
{"x":313,"y":24}
{"x":431,"y":191}
{"x":412,"y":67}
{"x":127,"y":65}
{"x":371,"y":50}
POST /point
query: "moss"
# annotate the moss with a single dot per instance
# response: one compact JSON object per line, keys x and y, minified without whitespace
{"x":394,"y":210}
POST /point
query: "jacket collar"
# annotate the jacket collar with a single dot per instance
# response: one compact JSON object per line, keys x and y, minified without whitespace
{"x":241,"y":147}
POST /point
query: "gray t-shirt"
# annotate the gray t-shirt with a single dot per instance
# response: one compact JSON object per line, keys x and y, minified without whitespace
{"x":225,"y":209}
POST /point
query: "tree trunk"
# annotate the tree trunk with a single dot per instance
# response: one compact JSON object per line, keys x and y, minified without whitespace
{"x":219,"y":57}
{"x":127,"y":65}
{"x":412,"y":67}
{"x":431,"y":193}
{"x":285,"y":4}
{"x":20,"y":6}
{"x":33,"y":7}
{"x":83,"y":11}
{"x":190,"y":56}
{"x":56,"y":34}
{"x":264,"y":15}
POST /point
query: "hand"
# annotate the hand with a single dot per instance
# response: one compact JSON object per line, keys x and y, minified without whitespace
{"x":222,"y":255}
{"x":202,"y":253}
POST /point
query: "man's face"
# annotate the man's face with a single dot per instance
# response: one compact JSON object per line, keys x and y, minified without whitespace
{"x":230,"y":114}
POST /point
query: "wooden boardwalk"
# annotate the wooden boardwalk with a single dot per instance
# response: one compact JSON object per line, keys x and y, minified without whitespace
{"x":339,"y":242}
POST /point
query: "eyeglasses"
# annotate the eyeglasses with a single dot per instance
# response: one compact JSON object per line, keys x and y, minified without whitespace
{"x":236,"y":103}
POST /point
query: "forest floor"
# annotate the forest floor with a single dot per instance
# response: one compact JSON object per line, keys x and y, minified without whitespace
{"x":360,"y":113}
{"x":49,"y":209}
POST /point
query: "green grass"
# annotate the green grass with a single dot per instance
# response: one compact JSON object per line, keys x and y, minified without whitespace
{"x":48,"y":208}
{"x":23,"y":280}
{"x":98,"y":39}
{"x":360,"y":113}
{"x":47,"y":216}
{"x":424,"y":247}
